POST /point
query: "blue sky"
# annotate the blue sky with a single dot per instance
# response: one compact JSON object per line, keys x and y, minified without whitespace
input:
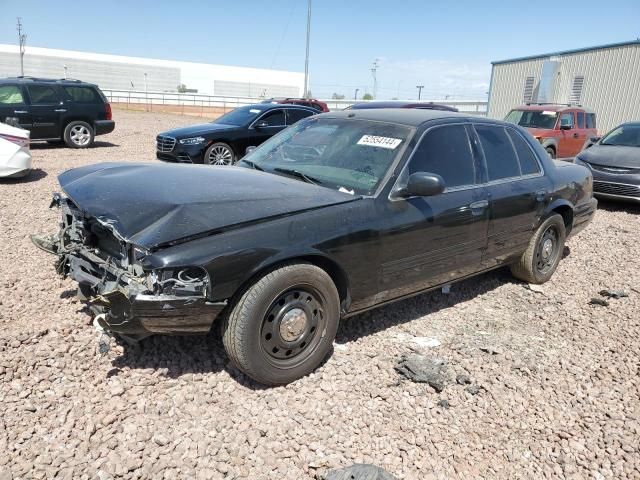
{"x":446,"y":46}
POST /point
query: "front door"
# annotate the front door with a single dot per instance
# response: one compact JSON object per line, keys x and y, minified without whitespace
{"x":265,"y":127}
{"x":569,"y":143}
{"x":434,"y":240}
{"x":46,"y":111}
{"x":14,"y":110}
{"x":518,"y":191}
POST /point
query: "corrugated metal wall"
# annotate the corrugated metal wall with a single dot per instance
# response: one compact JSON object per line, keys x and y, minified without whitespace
{"x":611,"y":83}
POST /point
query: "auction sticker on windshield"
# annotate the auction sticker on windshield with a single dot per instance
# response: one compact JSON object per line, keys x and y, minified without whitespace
{"x":383,"y":142}
{"x":549,"y":112}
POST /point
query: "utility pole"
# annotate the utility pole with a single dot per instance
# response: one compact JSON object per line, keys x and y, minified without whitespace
{"x":146,"y":93}
{"x":22,"y":40}
{"x":374,"y":70}
{"x":355,"y":95}
{"x":419,"y":87}
{"x":306,"y":60}
{"x":65,"y":71}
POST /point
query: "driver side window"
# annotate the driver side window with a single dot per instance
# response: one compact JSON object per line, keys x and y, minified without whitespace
{"x":274,"y":118}
{"x":446,"y":151}
{"x":566,"y":120}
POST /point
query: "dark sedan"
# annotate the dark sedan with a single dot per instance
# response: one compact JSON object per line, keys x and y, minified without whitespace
{"x":225,"y":140}
{"x":614,"y":161}
{"x":338,"y":214}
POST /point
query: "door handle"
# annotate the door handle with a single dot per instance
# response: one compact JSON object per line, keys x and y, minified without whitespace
{"x":541,"y":195}
{"x":20,"y":111}
{"x":60,"y":110}
{"x":479,"y":204}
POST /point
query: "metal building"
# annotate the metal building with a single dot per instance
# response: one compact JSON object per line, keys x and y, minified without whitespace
{"x":117,"y":72}
{"x":605,"y":79}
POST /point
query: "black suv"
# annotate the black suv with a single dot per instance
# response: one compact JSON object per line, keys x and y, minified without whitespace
{"x":56,"y":110}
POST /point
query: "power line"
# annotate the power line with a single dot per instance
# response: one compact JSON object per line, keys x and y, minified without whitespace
{"x":284,"y":33}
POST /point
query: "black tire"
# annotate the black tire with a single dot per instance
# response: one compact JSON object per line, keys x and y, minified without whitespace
{"x":219,"y":154}
{"x":540,"y":260}
{"x":78,"y":134}
{"x":266,"y":335}
{"x":551,"y":152}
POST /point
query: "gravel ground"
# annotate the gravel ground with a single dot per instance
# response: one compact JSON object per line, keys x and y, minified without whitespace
{"x":555,"y":381}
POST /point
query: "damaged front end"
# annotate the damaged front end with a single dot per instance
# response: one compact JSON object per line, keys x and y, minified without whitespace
{"x":127,"y":299}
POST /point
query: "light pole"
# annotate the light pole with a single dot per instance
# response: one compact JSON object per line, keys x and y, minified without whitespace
{"x":355,"y":95}
{"x":22,"y":40}
{"x":65,"y":71}
{"x":374,"y":71}
{"x":146,"y":93}
{"x":419,"y":87}
{"x":306,"y":59}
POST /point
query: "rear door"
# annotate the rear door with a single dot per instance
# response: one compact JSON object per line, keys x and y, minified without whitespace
{"x":296,"y":114}
{"x":46,"y":111}
{"x":14,"y":110}
{"x":517,"y":188}
{"x":581,"y":129}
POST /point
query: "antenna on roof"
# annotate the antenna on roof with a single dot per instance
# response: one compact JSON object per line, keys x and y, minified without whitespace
{"x":22,"y":40}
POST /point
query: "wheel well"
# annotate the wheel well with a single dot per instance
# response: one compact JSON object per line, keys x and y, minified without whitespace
{"x":567,"y":215}
{"x":550,"y":146}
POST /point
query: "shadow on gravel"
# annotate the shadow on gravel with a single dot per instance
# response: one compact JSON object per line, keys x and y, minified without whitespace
{"x":33,"y":176}
{"x":610,"y":206}
{"x":49,"y":146}
{"x":404,"y":311}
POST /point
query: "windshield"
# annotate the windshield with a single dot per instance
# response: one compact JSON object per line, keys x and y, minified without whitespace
{"x":241,"y":116}
{"x":623,"y":136}
{"x":533,"y":118}
{"x":345,"y":154}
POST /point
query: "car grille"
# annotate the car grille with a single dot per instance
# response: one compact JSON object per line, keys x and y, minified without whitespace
{"x":616,"y":189}
{"x":618,"y":170}
{"x":165,"y":144}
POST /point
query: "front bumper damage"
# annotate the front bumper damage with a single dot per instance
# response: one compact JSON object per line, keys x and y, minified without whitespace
{"x":127,"y":300}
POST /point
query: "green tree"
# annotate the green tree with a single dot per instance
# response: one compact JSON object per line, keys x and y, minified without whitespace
{"x":182,"y":88}
{"x":367,"y":96}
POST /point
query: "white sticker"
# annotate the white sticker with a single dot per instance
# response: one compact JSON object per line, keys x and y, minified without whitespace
{"x":382,"y":142}
{"x":253,"y":110}
{"x":344,"y":190}
{"x":549,"y":112}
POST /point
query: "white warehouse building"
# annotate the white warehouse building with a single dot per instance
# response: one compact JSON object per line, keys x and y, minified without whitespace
{"x":605,"y":79}
{"x":115,"y":72}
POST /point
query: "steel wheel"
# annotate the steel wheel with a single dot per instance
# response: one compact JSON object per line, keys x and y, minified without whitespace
{"x":293,"y":325}
{"x":220,"y":155}
{"x":547,"y":250}
{"x":80,"y":135}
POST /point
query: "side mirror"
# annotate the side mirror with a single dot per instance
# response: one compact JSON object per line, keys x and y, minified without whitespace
{"x":249,"y":150}
{"x":423,"y":184}
{"x":565,"y":127}
{"x":261,"y":124}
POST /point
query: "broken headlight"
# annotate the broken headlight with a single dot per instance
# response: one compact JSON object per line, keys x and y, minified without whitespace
{"x":180,"y":282}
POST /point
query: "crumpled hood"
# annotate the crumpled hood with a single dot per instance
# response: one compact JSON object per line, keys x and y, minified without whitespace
{"x":199,"y":129}
{"x":612,"y":156}
{"x":153,"y":204}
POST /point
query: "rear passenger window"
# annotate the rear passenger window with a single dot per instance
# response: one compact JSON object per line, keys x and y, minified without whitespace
{"x":10,"y":95}
{"x":499,"y":153}
{"x":296,"y":115}
{"x":591,"y":120}
{"x":447,"y":152}
{"x":528,"y":163}
{"x":580,"y":116}
{"x":82,"y":94}
{"x":41,"y":94}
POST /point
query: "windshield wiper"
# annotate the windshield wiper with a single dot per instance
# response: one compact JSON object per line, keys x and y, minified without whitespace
{"x":299,"y":174}
{"x":253,"y":165}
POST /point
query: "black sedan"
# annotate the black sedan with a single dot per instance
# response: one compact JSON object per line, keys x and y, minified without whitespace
{"x":338,"y":214}
{"x":614,"y":161}
{"x":226,"y":139}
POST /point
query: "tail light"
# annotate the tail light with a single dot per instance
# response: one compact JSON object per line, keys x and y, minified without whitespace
{"x":107,"y":111}
{"x":20,"y":141}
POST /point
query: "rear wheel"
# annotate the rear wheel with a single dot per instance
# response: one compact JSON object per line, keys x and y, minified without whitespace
{"x":283,"y":326}
{"x":551,"y":152}
{"x":219,"y":154}
{"x":540,"y":260}
{"x":79,"y":134}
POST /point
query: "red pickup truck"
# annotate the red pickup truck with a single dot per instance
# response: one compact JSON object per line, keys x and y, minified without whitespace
{"x":561,"y":129}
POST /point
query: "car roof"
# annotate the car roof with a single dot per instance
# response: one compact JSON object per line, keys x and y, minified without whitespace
{"x":412,"y":117}
{"x":271,"y":106}
{"x":69,"y":81}
{"x":401,"y":104}
{"x":552,"y":107}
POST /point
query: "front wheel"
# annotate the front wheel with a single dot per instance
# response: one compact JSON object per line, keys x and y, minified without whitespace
{"x":79,"y":134}
{"x":551,"y":152}
{"x":540,"y":260}
{"x":219,"y":154}
{"x":283,"y":326}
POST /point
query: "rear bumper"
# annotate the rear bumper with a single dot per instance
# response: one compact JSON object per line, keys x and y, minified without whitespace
{"x":103,"y":127}
{"x":583,"y":215}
